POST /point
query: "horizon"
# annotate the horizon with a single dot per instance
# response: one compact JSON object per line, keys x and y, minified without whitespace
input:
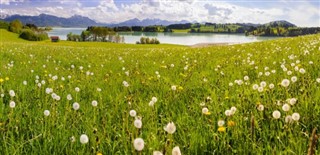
{"x":215,"y":11}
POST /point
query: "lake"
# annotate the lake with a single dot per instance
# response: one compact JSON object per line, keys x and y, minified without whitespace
{"x":171,"y":38}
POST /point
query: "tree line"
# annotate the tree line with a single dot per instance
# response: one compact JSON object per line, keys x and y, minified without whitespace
{"x":97,"y":34}
{"x":28,"y":31}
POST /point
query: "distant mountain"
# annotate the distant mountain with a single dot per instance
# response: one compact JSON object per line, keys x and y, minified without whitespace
{"x":146,"y":22}
{"x":280,"y":23}
{"x":49,"y":20}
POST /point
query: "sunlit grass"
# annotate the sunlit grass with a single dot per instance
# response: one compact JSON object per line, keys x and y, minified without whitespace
{"x":208,"y":94}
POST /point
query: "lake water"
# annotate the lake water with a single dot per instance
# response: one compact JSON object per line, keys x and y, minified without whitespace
{"x":171,"y":38}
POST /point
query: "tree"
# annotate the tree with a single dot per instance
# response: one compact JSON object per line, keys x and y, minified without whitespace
{"x":15,"y":26}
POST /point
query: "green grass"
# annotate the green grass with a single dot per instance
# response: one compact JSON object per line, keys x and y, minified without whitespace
{"x":203,"y":77}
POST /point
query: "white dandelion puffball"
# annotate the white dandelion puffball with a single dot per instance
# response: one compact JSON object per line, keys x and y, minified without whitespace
{"x":276,"y":114}
{"x":133,"y":113}
{"x":176,"y":151}
{"x":94,"y":103}
{"x":260,"y":107}
{"x":255,"y":87}
{"x":170,"y":128}
{"x":12,"y":104}
{"x":286,"y":107}
{"x":205,"y":110}
{"x":228,"y":112}
{"x":260,"y":89}
{"x":84,"y":139}
{"x":221,"y":123}
{"x":157,"y":153}
{"x":76,"y":106}
{"x":69,"y":97}
{"x":72,"y":139}
{"x":233,"y":110}
{"x":154,"y":99}
{"x":137,"y":123}
{"x":293,"y":101}
{"x":46,"y":112}
{"x":12,"y":93}
{"x":125,"y":83}
{"x":295,"y":116}
{"x":288,"y":119}
{"x":294,"y":79}
{"x":318,"y":80}
{"x":2,"y":95}
{"x":173,"y":88}
{"x":138,"y":144}
{"x":263,"y":84}
{"x":77,"y":89}
{"x":285,"y":83}
{"x":151,"y":103}
{"x":302,"y":71}
{"x":246,"y":78}
{"x":271,"y":86}
{"x":25,"y":83}
{"x":49,"y":90}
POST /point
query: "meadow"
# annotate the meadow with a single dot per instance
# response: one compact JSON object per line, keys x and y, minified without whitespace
{"x":104,"y":98}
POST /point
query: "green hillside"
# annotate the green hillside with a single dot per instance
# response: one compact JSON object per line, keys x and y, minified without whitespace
{"x":256,"y":98}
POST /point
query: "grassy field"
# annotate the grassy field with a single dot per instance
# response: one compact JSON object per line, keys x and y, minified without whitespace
{"x":221,"y":99}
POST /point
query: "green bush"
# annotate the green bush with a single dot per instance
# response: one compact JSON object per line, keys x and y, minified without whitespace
{"x":30,"y":35}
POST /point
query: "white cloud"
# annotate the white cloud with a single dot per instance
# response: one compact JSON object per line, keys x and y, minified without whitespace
{"x":7,"y":2}
{"x":107,"y":11}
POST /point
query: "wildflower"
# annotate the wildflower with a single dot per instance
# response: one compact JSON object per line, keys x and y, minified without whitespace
{"x":222,"y":129}
{"x":1,"y":80}
{"x":138,"y":144}
{"x":24,"y":83}
{"x":288,"y":119}
{"x":285,"y":83}
{"x":99,"y":153}
{"x":69,"y":97}
{"x":76,"y":106}
{"x":137,"y":123}
{"x":228,"y":112}
{"x":255,"y":87}
{"x":263,"y":84}
{"x":125,"y":83}
{"x":233,"y":110}
{"x":12,"y":93}
{"x":246,"y":78}
{"x":72,"y":139}
{"x":231,"y":123}
{"x":221,"y":123}
{"x":12,"y":104}
{"x":302,"y":71}
{"x":170,"y":128}
{"x":176,"y":151}
{"x":173,"y":87}
{"x":151,"y":103}
{"x":260,"y":107}
{"x":293,"y":101}
{"x":294,"y":79}
{"x":77,"y":89}
{"x":271,"y":86}
{"x":94,"y":103}
{"x":286,"y":107}
{"x":205,"y":111}
{"x":99,"y":89}
{"x":260,"y":89}
{"x":46,"y":112}
{"x":295,"y":116}
{"x":154,"y":99}
{"x":276,"y":114}
{"x":84,"y":139}
{"x":2,"y":95}
{"x":157,"y":153}
{"x":318,"y":80}
{"x":49,"y":90}
{"x":133,"y":113}
{"x":7,"y":78}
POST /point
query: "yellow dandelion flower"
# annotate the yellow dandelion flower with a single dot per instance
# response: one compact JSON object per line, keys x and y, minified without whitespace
{"x":227,"y":97}
{"x":222,"y":129}
{"x":231,"y":123}
{"x":207,"y":113}
{"x":180,"y":88}
{"x":99,"y":153}
{"x":61,"y":86}
{"x":1,"y":80}
{"x":7,"y":78}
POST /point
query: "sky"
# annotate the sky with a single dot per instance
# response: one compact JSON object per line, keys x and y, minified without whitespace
{"x":304,"y":13}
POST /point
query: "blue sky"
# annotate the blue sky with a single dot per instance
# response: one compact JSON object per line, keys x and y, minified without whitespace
{"x":299,"y":12}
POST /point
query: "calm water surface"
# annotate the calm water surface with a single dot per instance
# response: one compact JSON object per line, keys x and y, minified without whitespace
{"x":171,"y":38}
